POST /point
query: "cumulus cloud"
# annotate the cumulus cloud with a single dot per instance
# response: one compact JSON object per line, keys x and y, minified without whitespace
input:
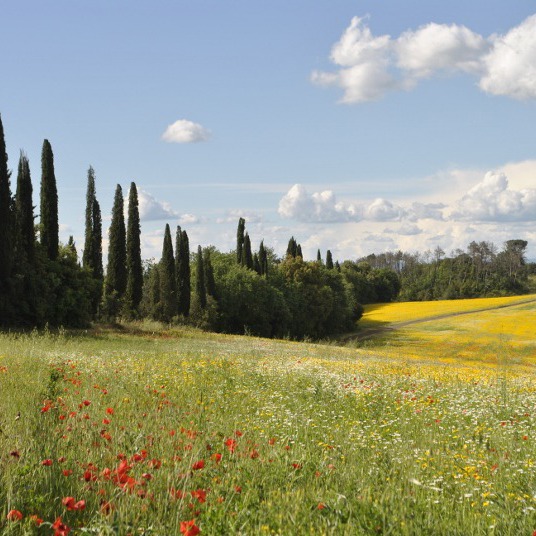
{"x":369,"y":66}
{"x":511,"y":64}
{"x":184,"y":131}
{"x":298,"y":204}
{"x":406,"y":229}
{"x":232,"y":216}
{"x":493,"y":200}
{"x":153,"y":210}
{"x":323,"y":207}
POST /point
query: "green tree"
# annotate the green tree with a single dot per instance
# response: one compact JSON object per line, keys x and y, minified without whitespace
{"x":183,"y":273}
{"x":168,"y":281}
{"x":49,"y":227}
{"x":329,"y":260}
{"x":240,"y":240}
{"x":292,"y":248}
{"x":134,"y":289}
{"x":6,"y":221}
{"x":200,"y":288}
{"x":24,"y":213}
{"x":247,"y":257}
{"x":210,"y":282}
{"x":116,"y":273}
{"x":263,"y":259}
{"x":318,"y":256}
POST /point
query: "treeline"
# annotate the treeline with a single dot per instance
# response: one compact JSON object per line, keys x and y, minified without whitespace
{"x":246,"y":290}
{"x":483,"y":270}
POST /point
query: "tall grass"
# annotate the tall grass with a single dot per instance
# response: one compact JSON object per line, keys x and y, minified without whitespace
{"x":230,"y":435}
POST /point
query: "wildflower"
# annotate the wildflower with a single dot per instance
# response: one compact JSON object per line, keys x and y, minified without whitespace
{"x":14,"y":515}
{"x":60,"y":529}
{"x":320,"y":506}
{"x":216,"y":457}
{"x":189,"y":528}
{"x":109,"y":411}
{"x":47,"y":462}
{"x":231,"y":445}
{"x":71,"y":504}
{"x":200,"y":495}
{"x":198,"y":465}
{"x":36,"y":519}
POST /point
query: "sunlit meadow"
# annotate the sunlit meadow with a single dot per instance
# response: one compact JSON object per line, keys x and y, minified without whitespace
{"x":429,"y":429}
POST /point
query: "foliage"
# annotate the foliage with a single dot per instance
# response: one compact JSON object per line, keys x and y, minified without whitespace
{"x":134,"y":288}
{"x":49,"y":226}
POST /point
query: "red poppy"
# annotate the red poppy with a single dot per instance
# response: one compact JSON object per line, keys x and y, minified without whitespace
{"x":198,"y":465}
{"x":60,"y":529}
{"x":189,"y":528}
{"x":216,"y":457}
{"x":14,"y":515}
{"x":110,"y":411}
{"x":200,"y":495}
{"x":231,"y":445}
{"x":47,"y":462}
{"x":36,"y":519}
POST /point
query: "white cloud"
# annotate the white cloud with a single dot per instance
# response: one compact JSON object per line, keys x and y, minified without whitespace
{"x":406,"y":229}
{"x":439,"y":47}
{"x":232,"y":216}
{"x":370,"y":66}
{"x":153,"y":210}
{"x":186,"y":219}
{"x":493,"y":200}
{"x":511,"y":64}
{"x":184,"y":131}
{"x":298,"y":204}
{"x":383,"y":210}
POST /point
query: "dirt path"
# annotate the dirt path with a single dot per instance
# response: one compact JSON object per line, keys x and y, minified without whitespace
{"x":367,"y":333}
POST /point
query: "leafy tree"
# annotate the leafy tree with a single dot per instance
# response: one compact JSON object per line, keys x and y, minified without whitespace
{"x":168,"y":281}
{"x":49,"y":227}
{"x":116,"y":272}
{"x":240,"y":240}
{"x":183,"y":273}
{"x":134,"y":288}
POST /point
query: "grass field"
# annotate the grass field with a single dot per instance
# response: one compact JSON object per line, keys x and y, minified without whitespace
{"x":429,"y":429}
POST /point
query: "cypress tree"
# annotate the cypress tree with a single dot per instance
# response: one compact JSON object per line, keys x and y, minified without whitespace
{"x":329,"y":260}
{"x":247,"y":257}
{"x":88,"y":255}
{"x":49,"y":227}
{"x":71,"y":245}
{"x":116,"y":273}
{"x":210,"y":282}
{"x":200,"y":280}
{"x":184,"y":275}
{"x":7,"y":227}
{"x":24,"y":213}
{"x":292,"y":247}
{"x":299,"y":251}
{"x":263,"y":259}
{"x":256,"y":264}
{"x":134,"y":288}
{"x":240,"y":240}
{"x":98,"y":272}
{"x":168,"y":281}
{"x":318,"y":256}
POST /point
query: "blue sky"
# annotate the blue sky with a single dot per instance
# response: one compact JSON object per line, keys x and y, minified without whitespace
{"x":356,"y":126}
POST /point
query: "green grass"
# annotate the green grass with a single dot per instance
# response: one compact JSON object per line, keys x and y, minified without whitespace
{"x":314,"y":439}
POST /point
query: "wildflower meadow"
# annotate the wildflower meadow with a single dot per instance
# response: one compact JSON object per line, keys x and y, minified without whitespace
{"x":429,"y":429}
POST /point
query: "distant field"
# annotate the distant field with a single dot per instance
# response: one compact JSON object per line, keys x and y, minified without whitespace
{"x":429,"y":429}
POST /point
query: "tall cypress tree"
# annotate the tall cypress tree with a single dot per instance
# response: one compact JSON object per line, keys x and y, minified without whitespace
{"x":299,"y":251}
{"x":247,"y":257}
{"x":210,"y":282}
{"x":6,"y":219}
{"x":256,"y":264}
{"x":24,"y":213}
{"x":318,"y":256}
{"x":263,"y":259}
{"x":134,"y":288}
{"x":329,"y":260}
{"x":116,"y":273}
{"x":292,"y":247}
{"x":240,"y":240}
{"x":184,"y":275}
{"x":200,"y":288}
{"x":88,"y":256}
{"x":49,"y":227}
{"x":168,"y":281}
{"x":98,"y":271}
